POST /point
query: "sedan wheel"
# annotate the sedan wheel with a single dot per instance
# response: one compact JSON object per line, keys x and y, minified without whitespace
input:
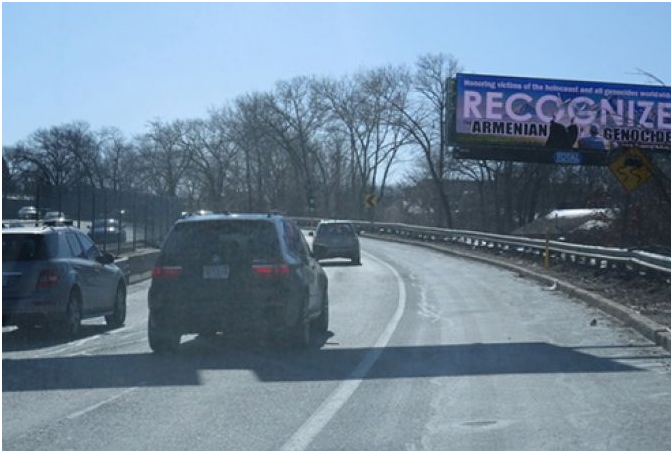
{"x":71,"y":327}
{"x":117,"y":318}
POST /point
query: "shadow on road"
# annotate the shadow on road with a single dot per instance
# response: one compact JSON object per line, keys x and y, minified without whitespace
{"x":44,"y":337}
{"x":323,"y":362}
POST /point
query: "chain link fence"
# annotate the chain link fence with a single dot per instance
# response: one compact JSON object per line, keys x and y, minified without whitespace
{"x":118,"y":220}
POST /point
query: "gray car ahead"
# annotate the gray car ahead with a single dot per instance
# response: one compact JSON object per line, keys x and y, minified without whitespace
{"x":336,"y":238}
{"x":57,"y":276}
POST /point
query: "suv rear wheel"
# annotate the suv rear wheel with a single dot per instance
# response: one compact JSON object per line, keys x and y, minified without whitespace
{"x":321,"y":324}
{"x":162,"y":339}
{"x":299,"y":334}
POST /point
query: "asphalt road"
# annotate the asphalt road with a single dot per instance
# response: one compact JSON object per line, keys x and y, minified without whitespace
{"x":425,"y":352}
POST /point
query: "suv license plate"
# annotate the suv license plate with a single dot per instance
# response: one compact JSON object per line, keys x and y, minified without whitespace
{"x":215,"y":272}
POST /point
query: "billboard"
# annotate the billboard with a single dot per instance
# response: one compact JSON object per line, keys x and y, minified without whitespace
{"x":534,"y":114}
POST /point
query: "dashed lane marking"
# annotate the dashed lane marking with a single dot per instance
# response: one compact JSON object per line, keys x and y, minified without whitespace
{"x":302,"y":438}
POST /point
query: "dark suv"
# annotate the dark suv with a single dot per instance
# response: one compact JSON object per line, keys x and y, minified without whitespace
{"x":236,"y":273}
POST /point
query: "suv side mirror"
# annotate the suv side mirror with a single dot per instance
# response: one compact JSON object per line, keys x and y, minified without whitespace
{"x":106,"y":258}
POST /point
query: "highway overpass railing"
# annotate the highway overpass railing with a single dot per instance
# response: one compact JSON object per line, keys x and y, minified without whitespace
{"x":598,"y":257}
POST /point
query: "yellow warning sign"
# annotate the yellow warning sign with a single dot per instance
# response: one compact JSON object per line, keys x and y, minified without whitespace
{"x":370,"y":200}
{"x":632,"y":168}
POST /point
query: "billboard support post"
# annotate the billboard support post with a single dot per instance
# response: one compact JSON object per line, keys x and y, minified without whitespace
{"x":547,"y":247}
{"x":446,"y":116}
{"x":625,"y":219}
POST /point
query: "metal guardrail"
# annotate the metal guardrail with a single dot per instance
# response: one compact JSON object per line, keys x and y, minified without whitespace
{"x":595,"y":256}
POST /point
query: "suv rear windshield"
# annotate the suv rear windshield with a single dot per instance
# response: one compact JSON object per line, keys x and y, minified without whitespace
{"x":232,"y":241}
{"x":335,"y":229}
{"x":26,"y":247}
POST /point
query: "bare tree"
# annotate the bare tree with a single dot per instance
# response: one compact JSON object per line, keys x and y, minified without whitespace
{"x":295,"y":117}
{"x":165,"y":158}
{"x":212,"y":154}
{"x":423,"y":117}
{"x":117,"y":155}
{"x":358,"y":109}
{"x":60,"y":155}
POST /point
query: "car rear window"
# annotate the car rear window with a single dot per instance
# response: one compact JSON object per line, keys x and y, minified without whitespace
{"x":27,"y":247}
{"x":232,"y":241}
{"x":335,"y":229}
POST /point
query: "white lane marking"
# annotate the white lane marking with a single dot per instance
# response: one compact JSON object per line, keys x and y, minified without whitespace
{"x":93,"y":351}
{"x":79,"y":413}
{"x":302,"y":438}
{"x":72,"y":345}
{"x":128,"y":330}
{"x":64,"y":347}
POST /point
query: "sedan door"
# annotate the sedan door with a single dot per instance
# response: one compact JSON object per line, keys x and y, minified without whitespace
{"x":104,"y":277}
{"x":86,"y":274}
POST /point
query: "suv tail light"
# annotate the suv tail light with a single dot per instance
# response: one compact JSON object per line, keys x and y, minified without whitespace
{"x":165,"y":272}
{"x":270,"y":270}
{"x":47,"y":279}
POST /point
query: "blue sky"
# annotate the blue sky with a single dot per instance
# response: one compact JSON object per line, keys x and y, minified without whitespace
{"x":124,"y":64}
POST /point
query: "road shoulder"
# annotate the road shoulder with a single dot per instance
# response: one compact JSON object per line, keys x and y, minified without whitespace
{"x":653,"y":331}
